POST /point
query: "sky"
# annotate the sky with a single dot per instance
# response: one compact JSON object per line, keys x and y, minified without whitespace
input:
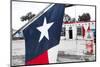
{"x":75,"y":11}
{"x":22,"y":8}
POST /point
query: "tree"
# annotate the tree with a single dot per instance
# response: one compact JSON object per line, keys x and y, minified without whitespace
{"x":28,"y":16}
{"x":67,"y":18}
{"x":84,"y":17}
{"x":73,"y":19}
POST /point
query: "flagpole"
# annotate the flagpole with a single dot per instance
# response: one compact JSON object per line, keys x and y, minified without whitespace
{"x":34,"y":18}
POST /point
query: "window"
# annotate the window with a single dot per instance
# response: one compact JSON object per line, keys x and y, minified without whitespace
{"x":79,"y":31}
{"x":70,"y":33}
{"x":63,"y":31}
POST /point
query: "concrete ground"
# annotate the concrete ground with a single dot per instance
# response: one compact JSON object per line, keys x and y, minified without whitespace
{"x":69,"y":51}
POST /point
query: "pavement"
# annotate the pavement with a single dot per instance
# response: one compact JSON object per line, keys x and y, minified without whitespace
{"x":70,"y":52}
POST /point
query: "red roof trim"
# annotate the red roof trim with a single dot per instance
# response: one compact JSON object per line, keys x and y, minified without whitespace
{"x":77,"y":22}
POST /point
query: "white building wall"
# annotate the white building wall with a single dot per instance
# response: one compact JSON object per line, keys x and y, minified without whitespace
{"x":74,"y":31}
{"x":75,"y":46}
{"x":67,"y":33}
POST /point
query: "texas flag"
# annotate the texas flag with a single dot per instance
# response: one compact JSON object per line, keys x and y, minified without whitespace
{"x":83,"y":31}
{"x":89,"y":33}
{"x":42,"y":35}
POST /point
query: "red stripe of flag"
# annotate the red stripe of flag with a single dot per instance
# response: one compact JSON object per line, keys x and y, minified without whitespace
{"x":41,"y":59}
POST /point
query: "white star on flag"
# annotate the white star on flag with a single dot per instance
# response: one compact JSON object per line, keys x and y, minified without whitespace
{"x":44,"y":29}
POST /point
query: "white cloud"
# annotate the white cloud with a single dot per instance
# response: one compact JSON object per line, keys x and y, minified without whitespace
{"x":75,"y":11}
{"x":22,"y":8}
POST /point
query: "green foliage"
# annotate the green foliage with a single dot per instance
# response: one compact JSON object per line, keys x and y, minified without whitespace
{"x":85,"y":17}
